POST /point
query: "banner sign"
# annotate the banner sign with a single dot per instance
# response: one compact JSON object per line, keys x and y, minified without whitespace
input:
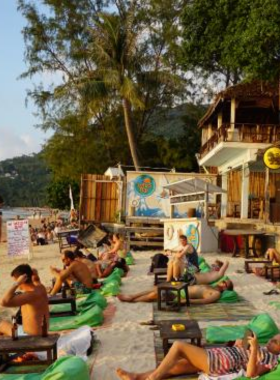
{"x":18,"y":237}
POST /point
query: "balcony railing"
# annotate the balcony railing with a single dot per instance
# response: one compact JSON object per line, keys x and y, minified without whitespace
{"x":247,"y":133}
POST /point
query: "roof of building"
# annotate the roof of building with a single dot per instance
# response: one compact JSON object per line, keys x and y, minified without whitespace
{"x":254,"y":89}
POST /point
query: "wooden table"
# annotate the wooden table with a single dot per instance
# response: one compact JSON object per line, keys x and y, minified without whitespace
{"x":168,"y":288}
{"x":192,"y":332}
{"x":160,"y":275}
{"x":272,"y":272}
{"x":58,"y":300}
{"x":245,"y":235}
{"x":248,"y":263}
{"x":63,"y":235}
{"x":28,"y":344}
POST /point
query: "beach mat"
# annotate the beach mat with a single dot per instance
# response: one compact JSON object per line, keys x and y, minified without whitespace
{"x":262,"y":325}
{"x":272,"y":375}
{"x":65,"y":368}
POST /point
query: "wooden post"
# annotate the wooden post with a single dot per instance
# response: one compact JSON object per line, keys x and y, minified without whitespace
{"x":232,"y":113}
{"x":220,"y":119}
{"x":206,"y":201}
{"x":266,"y":197}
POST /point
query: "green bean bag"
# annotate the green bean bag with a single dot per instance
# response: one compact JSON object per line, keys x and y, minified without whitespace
{"x":112,"y":288}
{"x":201,"y":260}
{"x":229,"y":296}
{"x":272,"y":375}
{"x":92,"y":317}
{"x":66,"y":368}
{"x":204,"y":267}
{"x":129,"y":259}
{"x":95,"y":298}
{"x":262,"y":325}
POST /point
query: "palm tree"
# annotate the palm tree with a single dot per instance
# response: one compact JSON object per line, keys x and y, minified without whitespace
{"x":117,"y":60}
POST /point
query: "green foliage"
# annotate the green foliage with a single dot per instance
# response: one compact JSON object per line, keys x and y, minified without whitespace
{"x":58,"y":193}
{"x":232,"y":37}
{"x":23,"y":181}
{"x":117,"y":66}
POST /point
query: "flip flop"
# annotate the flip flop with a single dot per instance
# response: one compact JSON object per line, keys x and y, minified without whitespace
{"x":271,"y":292}
{"x":148,"y":323}
{"x":154,"y":328}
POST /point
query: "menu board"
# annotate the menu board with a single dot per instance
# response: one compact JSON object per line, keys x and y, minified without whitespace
{"x":18,"y":237}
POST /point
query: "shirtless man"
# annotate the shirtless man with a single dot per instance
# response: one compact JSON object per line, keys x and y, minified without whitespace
{"x":92,"y":265}
{"x":76,"y":274}
{"x":33,"y":302}
{"x":198,"y":294}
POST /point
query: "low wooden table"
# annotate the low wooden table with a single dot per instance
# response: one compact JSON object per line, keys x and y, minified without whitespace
{"x":160,"y":275}
{"x":192,"y":332}
{"x":58,"y":299}
{"x":167,"y":287}
{"x":28,"y":344}
{"x":272,"y":272}
{"x":245,"y":235}
{"x":248,"y":263}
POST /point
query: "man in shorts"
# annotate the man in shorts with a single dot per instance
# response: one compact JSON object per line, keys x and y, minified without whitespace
{"x":76,"y":274}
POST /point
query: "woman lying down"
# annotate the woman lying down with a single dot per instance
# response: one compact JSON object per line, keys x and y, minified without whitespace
{"x":184,"y":358}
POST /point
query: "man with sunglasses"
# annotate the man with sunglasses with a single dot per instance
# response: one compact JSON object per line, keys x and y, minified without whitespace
{"x":76,"y":274}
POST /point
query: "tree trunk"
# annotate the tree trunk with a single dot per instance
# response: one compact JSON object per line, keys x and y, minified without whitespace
{"x":129,"y":132}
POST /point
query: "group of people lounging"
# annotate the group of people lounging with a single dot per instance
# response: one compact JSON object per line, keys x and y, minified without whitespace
{"x":81,"y":269}
{"x":184,"y":358}
{"x":79,"y":273}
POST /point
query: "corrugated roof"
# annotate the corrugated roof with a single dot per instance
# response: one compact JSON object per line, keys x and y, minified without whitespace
{"x":192,"y":186}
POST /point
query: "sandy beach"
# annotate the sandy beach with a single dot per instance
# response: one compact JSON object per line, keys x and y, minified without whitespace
{"x":125,"y":343}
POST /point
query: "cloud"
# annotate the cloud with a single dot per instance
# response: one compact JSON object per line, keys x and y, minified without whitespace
{"x":12,"y":144}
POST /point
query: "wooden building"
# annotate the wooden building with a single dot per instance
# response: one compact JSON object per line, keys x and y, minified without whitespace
{"x":241,"y":123}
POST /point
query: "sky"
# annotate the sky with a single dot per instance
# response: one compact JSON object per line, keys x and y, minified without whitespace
{"x":18,"y":134}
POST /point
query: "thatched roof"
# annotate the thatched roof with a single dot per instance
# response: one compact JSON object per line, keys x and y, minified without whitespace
{"x":255,"y":89}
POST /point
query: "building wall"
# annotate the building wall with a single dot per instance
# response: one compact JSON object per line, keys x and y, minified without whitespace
{"x":147,"y":197}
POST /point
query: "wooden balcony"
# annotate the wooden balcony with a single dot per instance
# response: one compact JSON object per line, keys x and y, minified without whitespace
{"x":247,"y":133}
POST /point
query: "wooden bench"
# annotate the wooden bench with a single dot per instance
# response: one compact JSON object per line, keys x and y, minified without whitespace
{"x":192,"y":332}
{"x":58,"y":300}
{"x":144,"y":226}
{"x":25,"y":344}
{"x":62,"y":238}
{"x":248,"y":263}
{"x":272,"y":272}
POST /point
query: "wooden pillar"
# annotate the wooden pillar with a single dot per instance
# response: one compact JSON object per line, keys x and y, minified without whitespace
{"x":266,"y":197}
{"x":232,"y":113}
{"x":220,"y":120}
{"x":245,"y":192}
{"x":224,"y":195}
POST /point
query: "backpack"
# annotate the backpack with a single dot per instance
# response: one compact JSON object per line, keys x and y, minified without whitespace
{"x":159,"y":260}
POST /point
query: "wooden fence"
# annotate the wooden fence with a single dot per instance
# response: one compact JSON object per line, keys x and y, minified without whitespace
{"x":100,"y":198}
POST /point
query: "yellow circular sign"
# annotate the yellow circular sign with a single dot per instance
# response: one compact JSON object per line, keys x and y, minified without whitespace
{"x":271,"y":158}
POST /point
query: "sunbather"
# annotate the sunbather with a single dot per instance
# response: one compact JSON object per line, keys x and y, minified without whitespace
{"x":198,"y":294}
{"x":184,"y":358}
{"x":33,"y":302}
{"x":116,"y":250}
{"x":76,"y":274}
